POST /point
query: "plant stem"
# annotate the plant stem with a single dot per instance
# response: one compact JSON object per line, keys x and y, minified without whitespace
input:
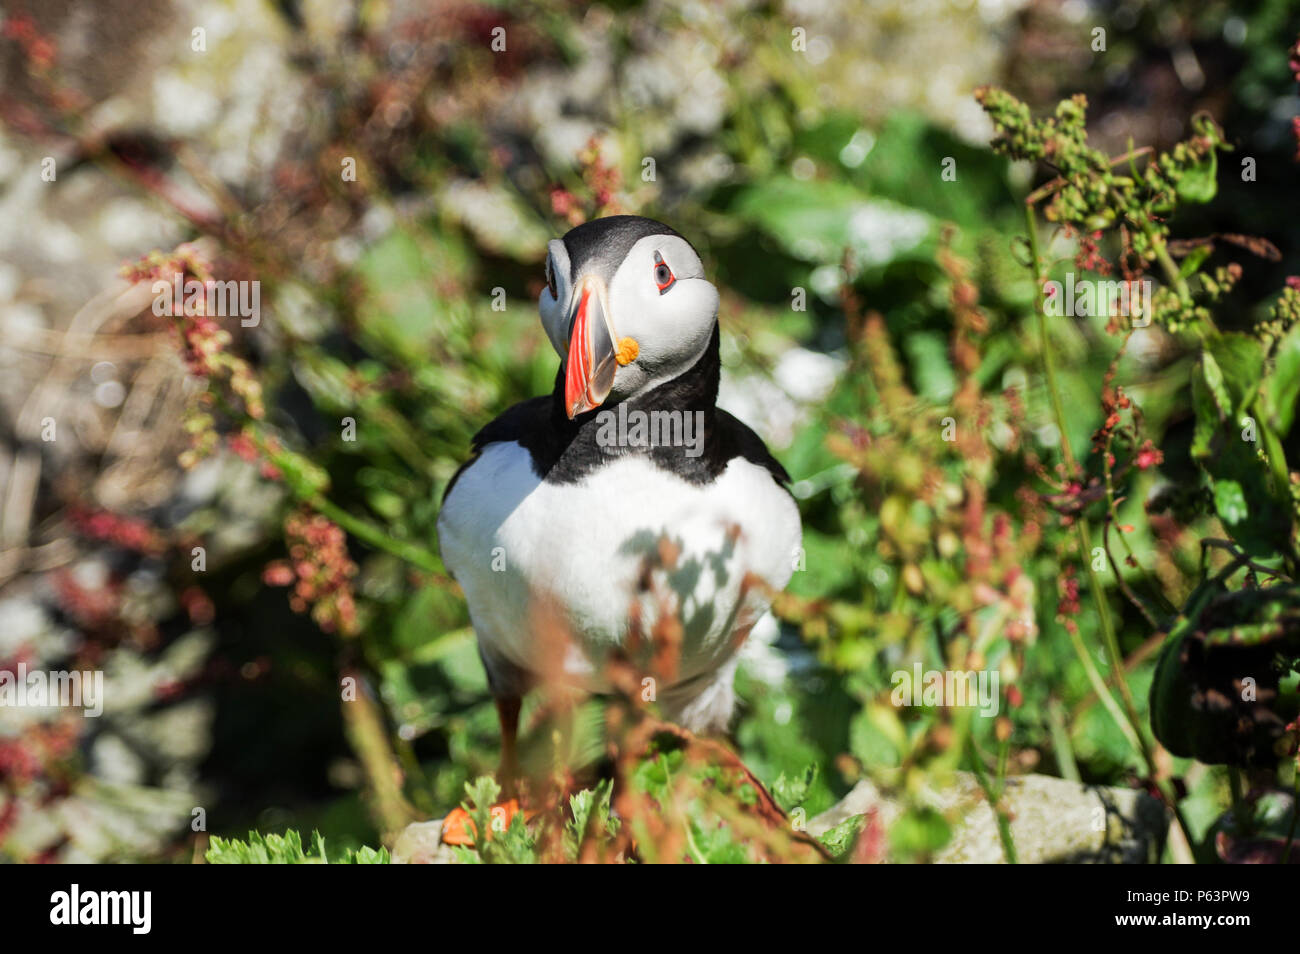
{"x":1133,"y":726}
{"x":1239,"y":558}
{"x":308,"y":491}
{"x":1049,"y":363}
{"x":1102,"y":691}
{"x":1112,"y":509}
{"x":365,"y":729}
{"x":994,"y":797}
{"x":364,"y":530}
{"x":1239,"y":808}
{"x":360,"y":528}
{"x":1272,"y":448}
{"x":1167,"y":264}
{"x":1080,"y":524}
{"x":1061,"y":742}
{"x":1103,"y":611}
{"x":1113,"y":654}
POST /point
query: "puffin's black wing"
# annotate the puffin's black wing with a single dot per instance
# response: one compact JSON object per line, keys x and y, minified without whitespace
{"x":514,"y":424}
{"x":736,"y":439}
{"x":533,"y":425}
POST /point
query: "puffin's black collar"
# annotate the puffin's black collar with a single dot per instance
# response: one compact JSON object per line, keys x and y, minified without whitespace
{"x":564,"y":451}
{"x":577,"y":451}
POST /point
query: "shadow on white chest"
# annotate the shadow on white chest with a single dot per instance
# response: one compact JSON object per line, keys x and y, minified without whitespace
{"x":596,"y":547}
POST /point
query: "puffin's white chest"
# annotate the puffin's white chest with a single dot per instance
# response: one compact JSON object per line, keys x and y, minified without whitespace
{"x":509,"y":536}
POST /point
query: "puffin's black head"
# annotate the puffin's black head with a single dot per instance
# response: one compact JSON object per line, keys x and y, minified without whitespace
{"x":619,"y":278}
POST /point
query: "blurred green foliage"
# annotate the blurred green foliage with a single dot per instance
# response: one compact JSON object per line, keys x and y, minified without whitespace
{"x":918,"y":548}
{"x":954,"y":553}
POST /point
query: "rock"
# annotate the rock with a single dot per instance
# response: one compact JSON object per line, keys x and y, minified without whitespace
{"x":1052,"y":820}
{"x":420,"y":843}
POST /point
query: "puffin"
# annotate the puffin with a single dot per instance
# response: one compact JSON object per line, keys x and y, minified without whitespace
{"x":567,"y":500}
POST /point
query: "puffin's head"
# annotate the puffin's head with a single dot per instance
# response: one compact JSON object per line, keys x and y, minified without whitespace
{"x":619,"y":278}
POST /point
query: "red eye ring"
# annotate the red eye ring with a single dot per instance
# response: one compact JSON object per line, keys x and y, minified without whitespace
{"x":664,"y":277}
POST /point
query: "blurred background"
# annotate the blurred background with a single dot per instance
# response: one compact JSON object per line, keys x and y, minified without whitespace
{"x":390,"y":173}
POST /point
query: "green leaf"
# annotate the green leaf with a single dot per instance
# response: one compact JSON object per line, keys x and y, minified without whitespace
{"x":919,"y":832}
{"x":480,"y":796}
{"x":1221,"y":642}
{"x":839,"y":841}
{"x":1261,"y":527}
{"x":1193,"y":260}
{"x":591,"y":817}
{"x":1230,"y":502}
{"x":1283,"y":385}
{"x":1212,"y":374}
{"x":401,"y":310}
{"x":790,"y":792}
{"x":817,"y":221}
{"x":1198,"y":182}
{"x":1257,"y":512}
{"x":1209,"y":414}
{"x":284,"y":849}
{"x":876,"y":737}
{"x":927,"y":356}
{"x":369,"y":856}
{"x":1240,"y":362}
{"x":896,"y":161}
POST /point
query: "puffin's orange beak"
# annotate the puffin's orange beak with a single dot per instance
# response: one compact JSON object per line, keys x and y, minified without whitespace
{"x":593,"y":355}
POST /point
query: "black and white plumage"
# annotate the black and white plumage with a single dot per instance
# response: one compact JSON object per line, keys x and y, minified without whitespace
{"x":548,"y":507}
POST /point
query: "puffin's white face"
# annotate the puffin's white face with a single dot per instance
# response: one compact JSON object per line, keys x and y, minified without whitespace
{"x":657,"y":296}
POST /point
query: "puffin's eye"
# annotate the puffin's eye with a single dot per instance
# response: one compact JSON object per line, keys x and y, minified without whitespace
{"x":664,"y":277}
{"x":550,"y":279}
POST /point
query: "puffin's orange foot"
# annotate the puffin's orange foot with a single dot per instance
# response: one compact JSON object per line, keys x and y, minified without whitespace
{"x":458,"y":828}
